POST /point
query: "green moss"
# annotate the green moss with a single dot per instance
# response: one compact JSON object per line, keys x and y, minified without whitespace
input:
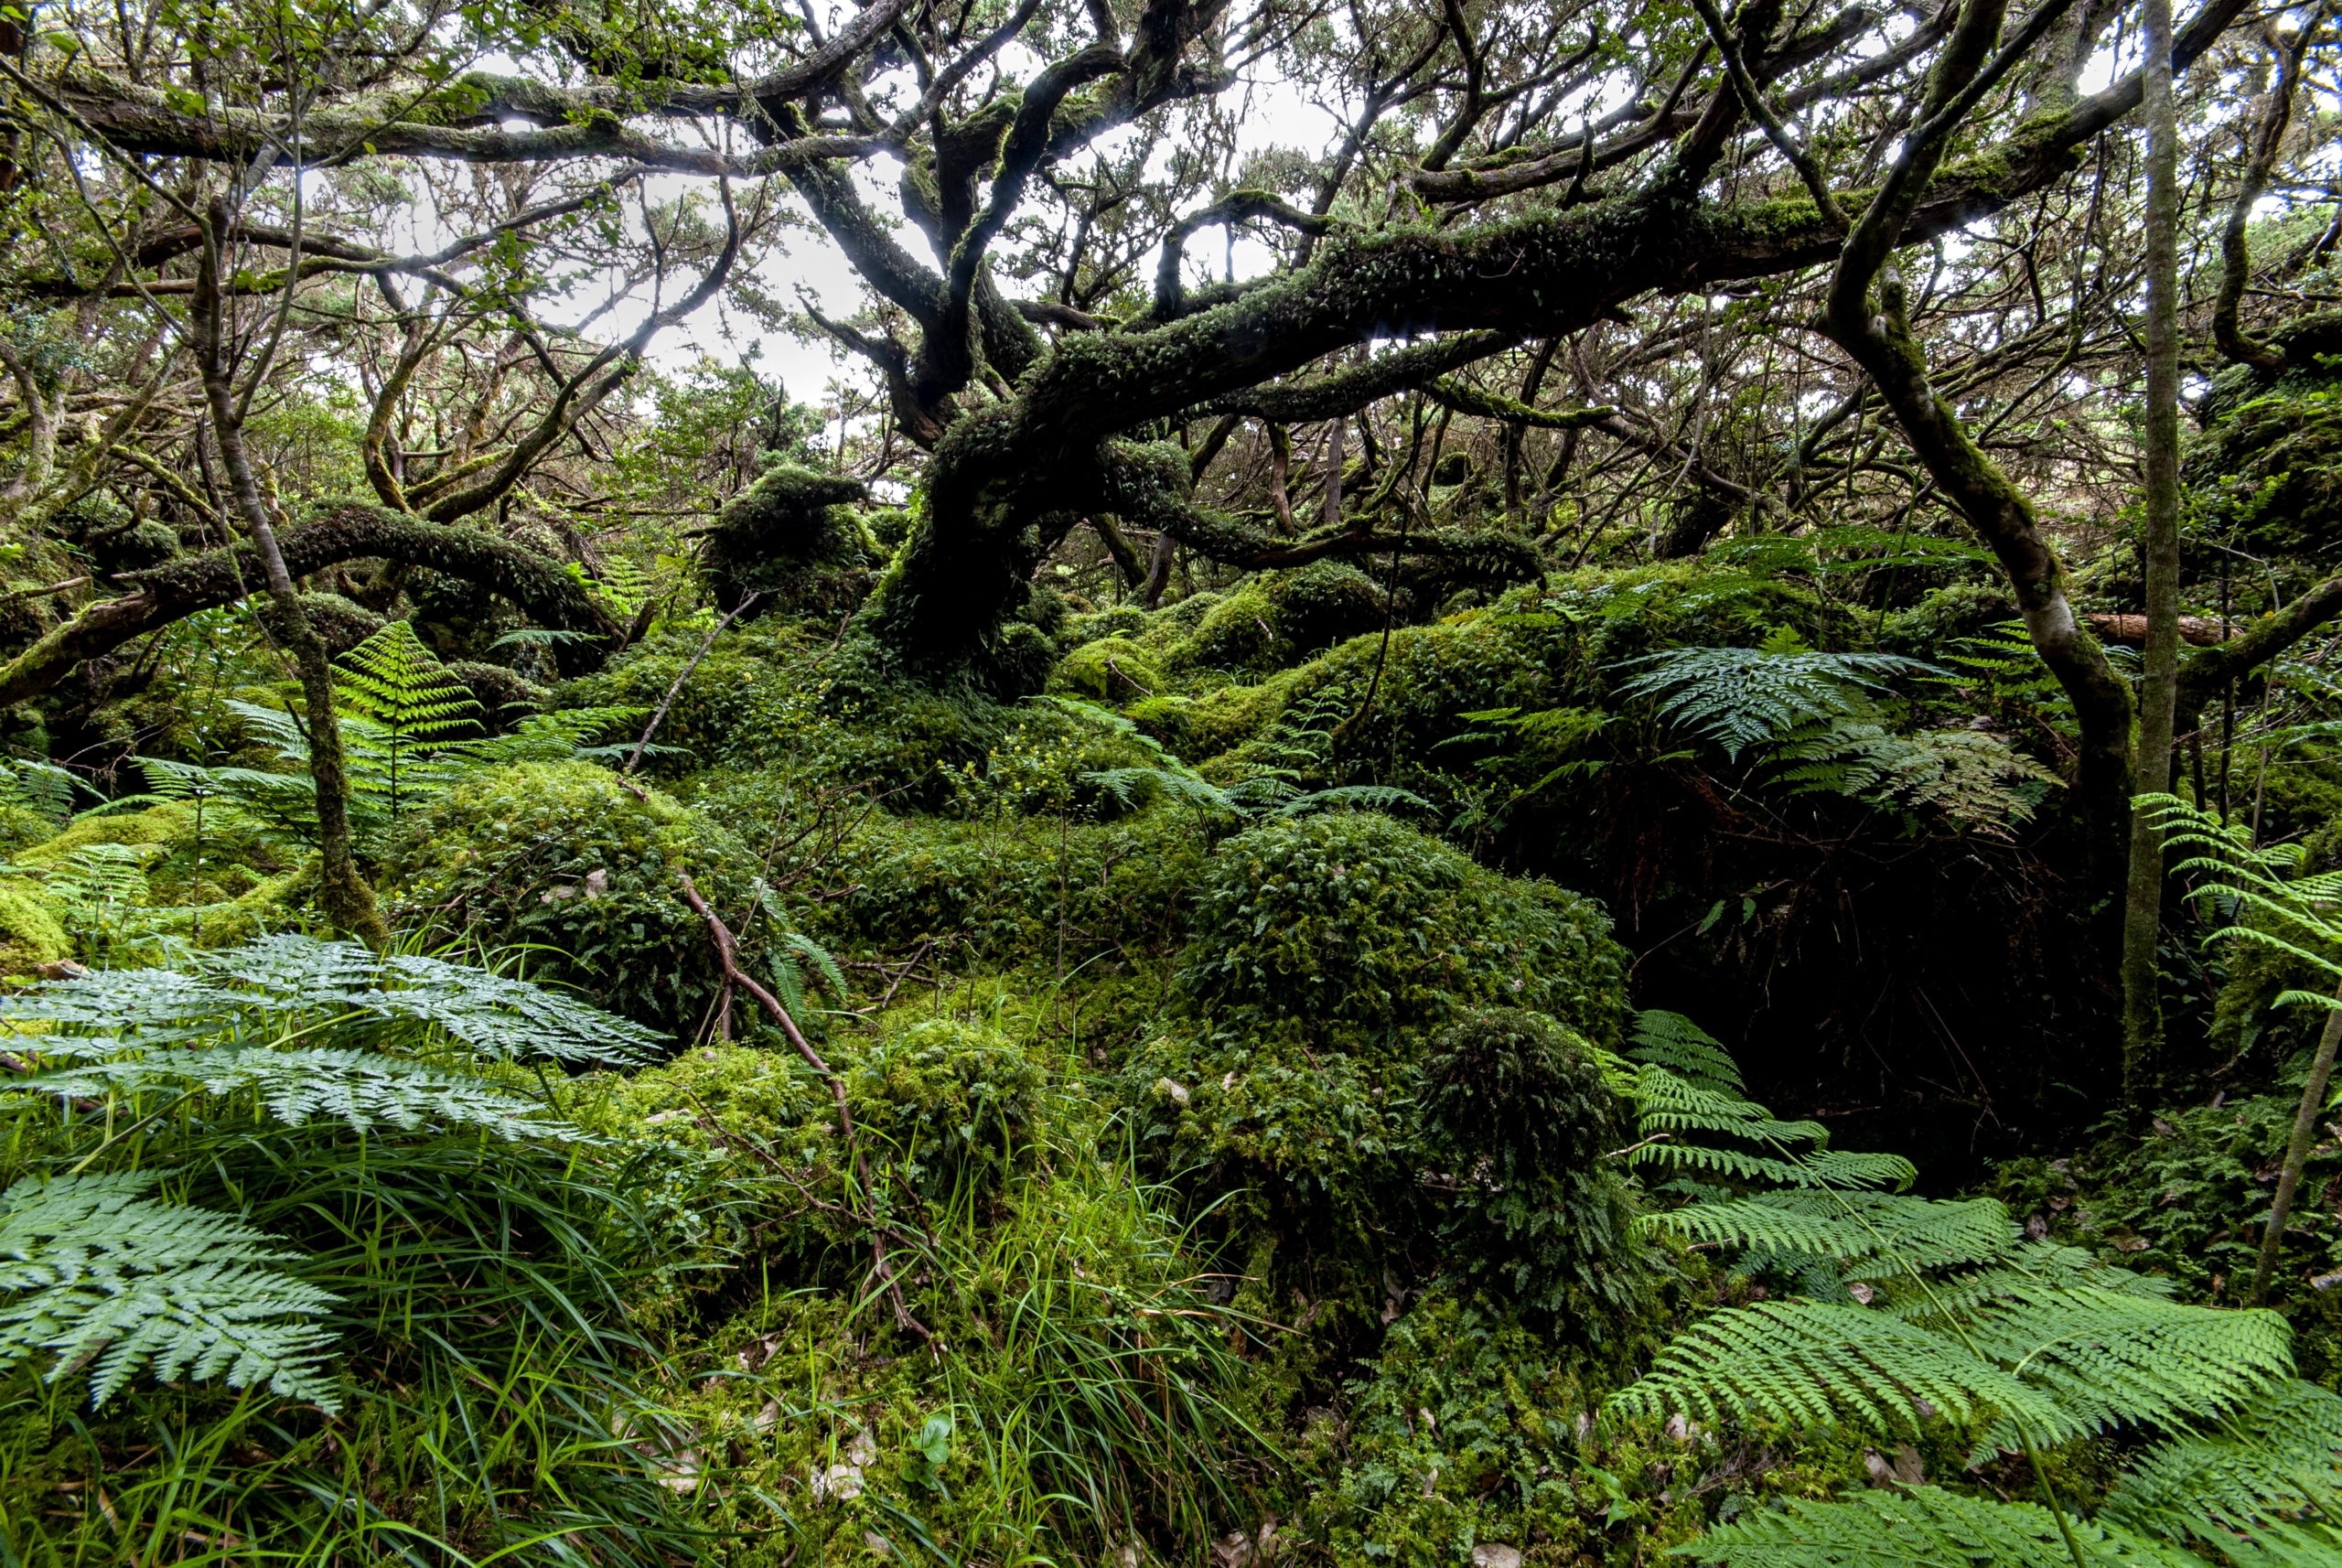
{"x":21,"y":827}
{"x":162,"y":824}
{"x":952,"y":1102}
{"x":1112,"y":670}
{"x":779,"y":694}
{"x":1325,"y":953}
{"x":1338,"y":930}
{"x":790,"y":537}
{"x":1001,"y":891}
{"x":1515,"y":1114}
{"x":30,"y":933}
{"x":561,"y":856}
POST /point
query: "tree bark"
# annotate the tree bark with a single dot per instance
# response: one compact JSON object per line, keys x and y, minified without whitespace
{"x":2159,"y":547}
{"x":2296,"y":1155}
{"x":347,"y":900}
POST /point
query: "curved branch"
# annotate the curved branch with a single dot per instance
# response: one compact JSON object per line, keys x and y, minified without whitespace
{"x":1491,"y":405}
{"x":137,"y":120}
{"x":1170,"y":296}
{"x":350,"y":532}
{"x":2203,"y":674}
{"x":2236,"y":255}
{"x":1148,"y":485}
{"x":1335,"y":396}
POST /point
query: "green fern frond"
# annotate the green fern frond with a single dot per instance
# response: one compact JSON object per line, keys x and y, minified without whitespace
{"x":1355,"y":798}
{"x":110,"y":1281}
{"x":1922,"y":1527}
{"x":1848,"y":1227}
{"x":1674,"y":1042}
{"x":42,"y":786}
{"x":1971,"y":778}
{"x":1127,"y":785}
{"x":556,"y":736}
{"x":2029,"y":1265}
{"x":2112,"y":1358}
{"x":2270,"y":1474}
{"x":289,"y":973}
{"x":1846,"y":1169}
{"x":393,"y":678}
{"x":1670,"y":1104}
{"x":1740,"y":697}
{"x":363,"y":1089}
{"x":1811,"y":1364}
{"x":821,"y":959}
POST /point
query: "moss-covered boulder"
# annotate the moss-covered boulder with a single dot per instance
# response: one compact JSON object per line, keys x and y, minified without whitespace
{"x":1112,"y":669}
{"x":1276,"y":618}
{"x":1285,"y":1087}
{"x":779,"y":693}
{"x":30,"y":933}
{"x":949,"y":1103}
{"x":1513,"y":1114}
{"x":1339,"y":930}
{"x":563,"y":859}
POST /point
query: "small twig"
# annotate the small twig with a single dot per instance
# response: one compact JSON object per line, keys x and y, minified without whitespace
{"x":727,"y":953}
{"x":675,"y":690}
{"x":52,"y":588}
{"x":1117,"y":669}
{"x":909,"y":964}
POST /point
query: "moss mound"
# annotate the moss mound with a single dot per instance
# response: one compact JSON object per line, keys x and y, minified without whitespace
{"x":1514,"y":1113}
{"x":1341,"y":930}
{"x":30,"y":933}
{"x":563,"y":857}
{"x":791,"y":537}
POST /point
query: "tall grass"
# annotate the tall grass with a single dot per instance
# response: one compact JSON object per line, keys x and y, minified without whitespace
{"x":499,"y":1401}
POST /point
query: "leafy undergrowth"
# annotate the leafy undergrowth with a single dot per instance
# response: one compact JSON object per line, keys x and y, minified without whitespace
{"x":1175,"y":1150}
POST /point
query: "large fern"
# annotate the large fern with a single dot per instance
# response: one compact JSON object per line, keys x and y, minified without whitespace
{"x":363,"y":1089}
{"x":2270,"y":1476}
{"x":104,"y":1279}
{"x":1923,"y":1527}
{"x":411,"y":704}
{"x":290,"y":974}
{"x":288,"y":1030}
{"x":1913,"y":1311}
{"x":1963,"y":776}
{"x":2259,"y":892}
{"x":1742,"y":697}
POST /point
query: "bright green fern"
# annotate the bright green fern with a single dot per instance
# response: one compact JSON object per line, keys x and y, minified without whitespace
{"x":1909,"y":1311}
{"x":104,"y":1279}
{"x":1742,"y":697}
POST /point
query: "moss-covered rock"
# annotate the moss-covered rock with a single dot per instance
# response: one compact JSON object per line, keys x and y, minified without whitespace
{"x":563,"y":857}
{"x":1515,"y":1115}
{"x":1002,"y":892}
{"x":1339,"y":930}
{"x":30,"y":933}
{"x":791,"y":537}
{"x":953,"y":1103}
{"x":777,"y":693}
{"x":1326,"y":955}
{"x":21,"y":827}
{"x":505,"y":696}
{"x":1111,"y":669}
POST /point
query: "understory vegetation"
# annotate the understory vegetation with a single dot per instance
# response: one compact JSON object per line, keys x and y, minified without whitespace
{"x":1482,"y":784}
